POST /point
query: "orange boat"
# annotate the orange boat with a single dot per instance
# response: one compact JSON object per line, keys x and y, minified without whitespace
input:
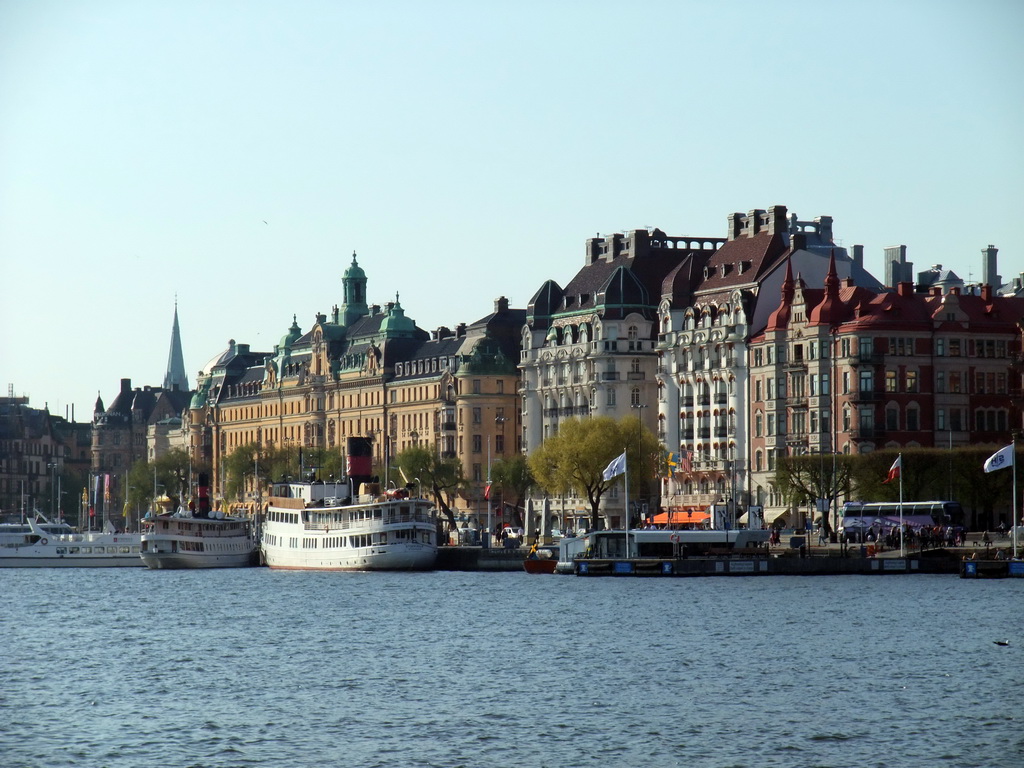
{"x":538,"y":565}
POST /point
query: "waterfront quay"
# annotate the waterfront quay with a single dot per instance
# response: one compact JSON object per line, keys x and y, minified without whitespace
{"x":794,"y":557}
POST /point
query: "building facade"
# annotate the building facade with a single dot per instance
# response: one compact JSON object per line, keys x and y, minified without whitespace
{"x":850,"y":369}
{"x":367,"y":371}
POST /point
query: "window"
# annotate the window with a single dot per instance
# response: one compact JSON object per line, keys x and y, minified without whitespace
{"x":912,"y":420}
{"x":891,"y":419}
{"x":911,"y":381}
{"x":940,"y":382}
{"x":954,"y":382}
{"x":758,"y":425}
{"x":867,"y":381}
{"x":824,"y":384}
{"x":476,"y":386}
{"x":634,"y":396}
{"x":476,"y":416}
{"x":940,"y":347}
{"x":940,"y":420}
{"x":478,"y":474}
{"x":890,"y":381}
{"x":610,"y":397}
{"x":477,"y":443}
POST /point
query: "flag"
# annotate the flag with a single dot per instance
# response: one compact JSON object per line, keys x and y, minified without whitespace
{"x":894,"y":470}
{"x":685,"y":459}
{"x":1000,"y":459}
{"x":616,"y":467}
{"x":487,"y":491}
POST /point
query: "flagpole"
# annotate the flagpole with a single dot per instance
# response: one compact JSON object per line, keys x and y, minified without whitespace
{"x":625,"y":474}
{"x":1013,"y":522}
{"x":902,"y":533}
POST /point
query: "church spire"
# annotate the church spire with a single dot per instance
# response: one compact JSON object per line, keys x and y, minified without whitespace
{"x":175,"y":377}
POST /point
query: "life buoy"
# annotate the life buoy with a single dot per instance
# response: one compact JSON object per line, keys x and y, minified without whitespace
{"x":44,"y":542}
{"x":674,"y":538}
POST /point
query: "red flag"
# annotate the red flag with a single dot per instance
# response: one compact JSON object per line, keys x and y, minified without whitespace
{"x":487,"y":492}
{"x":894,"y":470}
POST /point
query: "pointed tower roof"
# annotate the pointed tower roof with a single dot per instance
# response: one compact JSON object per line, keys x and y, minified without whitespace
{"x":780,"y":317}
{"x":828,"y":312}
{"x":175,"y":378}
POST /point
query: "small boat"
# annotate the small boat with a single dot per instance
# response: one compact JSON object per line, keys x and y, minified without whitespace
{"x":38,"y":543}
{"x":324,"y":526}
{"x":198,"y":538}
{"x":540,"y":564}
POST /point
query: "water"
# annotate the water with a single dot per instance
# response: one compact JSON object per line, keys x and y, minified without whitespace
{"x":251,"y":667}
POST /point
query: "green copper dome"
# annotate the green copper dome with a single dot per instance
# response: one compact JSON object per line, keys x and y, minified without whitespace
{"x":292,"y":336}
{"x":354,"y":270}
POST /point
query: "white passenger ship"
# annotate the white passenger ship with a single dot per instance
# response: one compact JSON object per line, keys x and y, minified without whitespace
{"x":198,"y":537}
{"x":320,"y":526}
{"x":42,"y":544}
{"x":184,"y":541}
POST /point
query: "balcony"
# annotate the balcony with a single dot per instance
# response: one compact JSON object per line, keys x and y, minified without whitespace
{"x":868,"y":358}
{"x":866,"y":396}
{"x":686,"y":434}
{"x":550,"y":413}
{"x":447,"y":426}
{"x":686,"y":402}
{"x":721,"y":398}
{"x":447,"y":454}
{"x":721,"y":432}
{"x":704,"y":400}
{"x":796,"y":402}
{"x":867,"y":433}
{"x":609,"y":375}
{"x":636,"y":376}
{"x":704,"y":433}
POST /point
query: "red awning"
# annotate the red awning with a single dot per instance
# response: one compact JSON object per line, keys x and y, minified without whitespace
{"x":677,"y":517}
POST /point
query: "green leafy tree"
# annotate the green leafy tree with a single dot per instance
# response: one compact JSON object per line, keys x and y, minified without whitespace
{"x":170,"y":474}
{"x":804,"y":479}
{"x":513,"y":479}
{"x":442,"y":478}
{"x":575,"y":458}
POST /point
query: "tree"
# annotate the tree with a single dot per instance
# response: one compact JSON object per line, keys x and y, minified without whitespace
{"x":575,"y":458}
{"x":443,"y":477}
{"x":170,"y":472}
{"x":804,"y":479}
{"x":513,"y":478}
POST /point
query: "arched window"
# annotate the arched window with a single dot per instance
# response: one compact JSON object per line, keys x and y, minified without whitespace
{"x":634,"y":396}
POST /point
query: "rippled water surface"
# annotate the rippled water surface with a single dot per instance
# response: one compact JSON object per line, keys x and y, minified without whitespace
{"x":248,"y":667}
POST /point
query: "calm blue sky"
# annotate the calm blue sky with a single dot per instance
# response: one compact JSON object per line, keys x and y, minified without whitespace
{"x":234,"y":154}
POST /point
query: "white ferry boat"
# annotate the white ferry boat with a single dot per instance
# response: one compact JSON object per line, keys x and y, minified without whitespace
{"x":601,"y":552}
{"x":182,"y":540}
{"x":42,"y":544}
{"x":198,"y":537}
{"x":321,"y":526}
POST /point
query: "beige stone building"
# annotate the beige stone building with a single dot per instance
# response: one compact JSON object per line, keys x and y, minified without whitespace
{"x":367,"y":371}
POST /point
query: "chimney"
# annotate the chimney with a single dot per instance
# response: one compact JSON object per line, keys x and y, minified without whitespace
{"x":126,"y":385}
{"x":897,"y":269}
{"x":905,"y":289}
{"x":754,"y":221}
{"x":735,"y":225}
{"x":824,"y":228}
{"x":988,"y":267}
{"x":460,"y":330}
{"x":857,"y":254}
{"x":986,"y":292}
{"x":501,"y":304}
{"x":777,"y":221}
{"x":594,"y":248}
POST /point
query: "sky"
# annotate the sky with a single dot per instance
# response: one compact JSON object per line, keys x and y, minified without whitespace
{"x":231,"y":156}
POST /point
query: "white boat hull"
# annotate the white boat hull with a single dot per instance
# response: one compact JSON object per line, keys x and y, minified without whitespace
{"x":78,"y":551}
{"x":179,"y":560}
{"x":391,"y":557}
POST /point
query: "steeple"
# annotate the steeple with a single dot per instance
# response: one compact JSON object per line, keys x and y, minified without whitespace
{"x":353,"y":284}
{"x":175,"y":377}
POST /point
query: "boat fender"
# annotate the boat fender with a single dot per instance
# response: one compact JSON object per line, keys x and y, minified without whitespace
{"x":44,"y":542}
{"x":674,"y":538}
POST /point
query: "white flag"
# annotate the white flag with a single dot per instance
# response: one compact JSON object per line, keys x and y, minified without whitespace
{"x":1000,"y":459}
{"x":617,"y":467}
